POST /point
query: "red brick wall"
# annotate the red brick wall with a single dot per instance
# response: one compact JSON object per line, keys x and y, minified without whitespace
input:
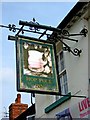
{"x":15,"y":109}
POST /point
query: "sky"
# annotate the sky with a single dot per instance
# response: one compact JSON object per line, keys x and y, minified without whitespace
{"x":46,"y":13}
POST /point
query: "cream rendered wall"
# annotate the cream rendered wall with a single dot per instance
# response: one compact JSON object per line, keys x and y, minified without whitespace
{"x":89,"y":57}
{"x":77,"y":73}
{"x":42,"y":101}
{"x":52,"y":114}
{"x":77,"y":67}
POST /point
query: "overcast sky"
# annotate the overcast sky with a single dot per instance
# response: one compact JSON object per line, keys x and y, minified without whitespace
{"x":46,"y":13}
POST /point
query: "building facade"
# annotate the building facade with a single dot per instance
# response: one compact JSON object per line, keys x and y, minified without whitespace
{"x":73,"y":62}
{"x":74,"y":71}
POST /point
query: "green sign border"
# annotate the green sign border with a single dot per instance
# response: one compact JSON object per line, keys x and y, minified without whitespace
{"x":25,"y":83}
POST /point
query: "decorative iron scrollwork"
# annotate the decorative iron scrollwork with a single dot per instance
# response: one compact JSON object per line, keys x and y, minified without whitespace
{"x":76,"y":52}
{"x":58,"y":34}
{"x":65,"y":32}
{"x":12,"y":27}
{"x":84,"y":31}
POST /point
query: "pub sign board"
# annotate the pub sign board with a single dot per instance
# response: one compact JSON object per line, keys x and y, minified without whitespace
{"x":36,"y":66}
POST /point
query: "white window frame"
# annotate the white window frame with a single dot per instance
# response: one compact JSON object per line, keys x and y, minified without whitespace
{"x":64,"y":82}
{"x":62,"y":72}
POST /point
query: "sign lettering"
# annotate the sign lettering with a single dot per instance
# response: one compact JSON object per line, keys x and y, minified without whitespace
{"x":84,"y":107}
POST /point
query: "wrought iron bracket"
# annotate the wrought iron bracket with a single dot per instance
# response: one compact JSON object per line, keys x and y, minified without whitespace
{"x":75,"y":52}
{"x":84,"y":32}
{"x":58,"y":34}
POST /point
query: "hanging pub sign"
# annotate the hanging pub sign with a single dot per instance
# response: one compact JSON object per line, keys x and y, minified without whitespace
{"x":36,"y":66}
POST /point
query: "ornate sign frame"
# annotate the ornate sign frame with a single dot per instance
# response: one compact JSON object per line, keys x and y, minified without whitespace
{"x":36,"y":66}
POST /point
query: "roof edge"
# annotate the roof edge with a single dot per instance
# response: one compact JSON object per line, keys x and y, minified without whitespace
{"x":71,"y":14}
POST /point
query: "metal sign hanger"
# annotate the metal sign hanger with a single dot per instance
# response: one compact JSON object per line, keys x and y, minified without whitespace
{"x":58,"y":35}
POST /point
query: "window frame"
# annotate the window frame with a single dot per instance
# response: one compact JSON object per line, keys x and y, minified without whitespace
{"x":61,"y":73}
{"x":64,"y":82}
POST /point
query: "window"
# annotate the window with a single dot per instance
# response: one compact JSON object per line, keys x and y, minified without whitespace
{"x":62,"y":74}
{"x":60,"y":59}
{"x":64,"y":83}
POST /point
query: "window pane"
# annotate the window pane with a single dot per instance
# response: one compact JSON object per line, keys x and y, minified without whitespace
{"x":63,"y":90}
{"x":58,"y":63}
{"x":66,"y":88}
{"x":61,"y":55}
{"x":65,"y":78}
{"x":61,"y":61}
{"x":63,"y":83}
{"x":62,"y":64}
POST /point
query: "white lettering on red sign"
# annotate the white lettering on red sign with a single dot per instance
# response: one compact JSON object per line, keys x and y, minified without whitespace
{"x":83,"y":107}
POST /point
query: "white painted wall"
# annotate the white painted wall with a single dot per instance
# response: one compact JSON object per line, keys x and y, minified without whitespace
{"x":78,"y":73}
{"x":89,"y":58}
{"x":77,"y":67}
{"x":41,"y":102}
